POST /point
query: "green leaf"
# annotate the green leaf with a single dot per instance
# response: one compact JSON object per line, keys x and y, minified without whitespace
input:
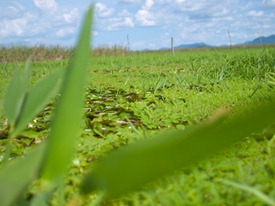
{"x":43,"y":198}
{"x":16,"y":93}
{"x":37,"y":98}
{"x":65,"y":126}
{"x":17,"y":176}
{"x":263,"y":197}
{"x":14,"y":98}
{"x":135,"y":165}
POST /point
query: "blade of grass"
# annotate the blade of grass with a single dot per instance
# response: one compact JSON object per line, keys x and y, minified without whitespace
{"x":135,"y":165}
{"x":16,"y":94}
{"x":37,"y":98}
{"x":14,"y":102}
{"x":133,"y":127}
{"x":43,"y":199}
{"x":17,"y":175}
{"x":67,"y":116}
{"x":264,"y":198}
{"x":98,"y":200}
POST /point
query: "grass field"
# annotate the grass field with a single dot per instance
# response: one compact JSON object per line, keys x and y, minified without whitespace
{"x":135,"y":95}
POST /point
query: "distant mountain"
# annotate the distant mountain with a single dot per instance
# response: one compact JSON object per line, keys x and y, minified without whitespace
{"x":189,"y":46}
{"x":262,"y":40}
{"x":195,"y":45}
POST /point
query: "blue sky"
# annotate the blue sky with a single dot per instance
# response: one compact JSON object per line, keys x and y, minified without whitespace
{"x":149,"y":24}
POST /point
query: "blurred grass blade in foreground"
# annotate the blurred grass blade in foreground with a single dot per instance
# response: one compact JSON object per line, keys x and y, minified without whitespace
{"x":264,"y":198}
{"x":135,"y":165}
{"x":37,"y":98}
{"x":16,"y":94}
{"x":17,"y":176}
{"x":66,"y":121}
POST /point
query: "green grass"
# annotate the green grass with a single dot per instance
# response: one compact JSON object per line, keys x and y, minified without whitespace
{"x":138,"y":95}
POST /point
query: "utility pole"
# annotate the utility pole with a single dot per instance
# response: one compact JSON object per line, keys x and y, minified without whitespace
{"x":229,"y":36}
{"x":172,"y":46}
{"x":128,"y":42}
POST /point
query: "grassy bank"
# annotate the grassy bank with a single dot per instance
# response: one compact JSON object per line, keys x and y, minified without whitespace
{"x":134,"y":96}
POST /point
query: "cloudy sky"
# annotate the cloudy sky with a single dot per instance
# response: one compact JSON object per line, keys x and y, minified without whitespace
{"x":148,"y":24}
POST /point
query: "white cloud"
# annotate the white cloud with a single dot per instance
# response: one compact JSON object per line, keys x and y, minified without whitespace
{"x":129,"y":1}
{"x":12,"y":11}
{"x":120,"y":23}
{"x":269,"y":3}
{"x":125,"y":13}
{"x":128,"y":22}
{"x":46,"y":4}
{"x":148,"y":4}
{"x":180,"y":1}
{"x":144,"y":16}
{"x":16,"y":26}
{"x":13,"y":27}
{"x":19,"y":24}
{"x":254,"y":13}
{"x":121,"y":20}
{"x":71,"y":16}
{"x":102,"y":10}
{"x":65,"y":31}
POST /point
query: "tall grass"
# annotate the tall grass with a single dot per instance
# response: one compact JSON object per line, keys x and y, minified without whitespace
{"x":37,"y":53}
{"x":51,"y":157}
{"x":111,"y":50}
{"x":52,"y":53}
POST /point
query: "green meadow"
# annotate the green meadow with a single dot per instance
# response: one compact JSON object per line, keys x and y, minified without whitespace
{"x":131,"y":98}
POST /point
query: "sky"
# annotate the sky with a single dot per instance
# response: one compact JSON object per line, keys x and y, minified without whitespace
{"x":139,"y":24}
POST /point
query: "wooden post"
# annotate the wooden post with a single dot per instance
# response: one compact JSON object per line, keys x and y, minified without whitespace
{"x":128,"y":42}
{"x":172,"y":46}
{"x":229,"y":36}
